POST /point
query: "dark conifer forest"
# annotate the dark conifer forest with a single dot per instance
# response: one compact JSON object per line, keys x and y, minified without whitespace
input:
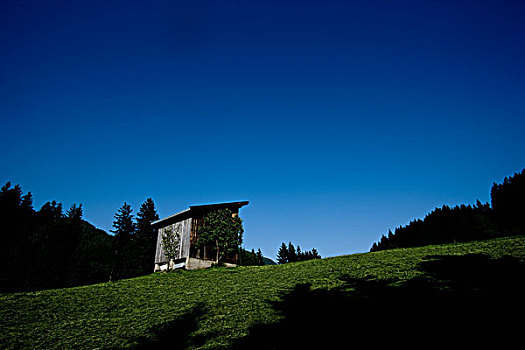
{"x":505,"y":216}
{"x":50,"y":248}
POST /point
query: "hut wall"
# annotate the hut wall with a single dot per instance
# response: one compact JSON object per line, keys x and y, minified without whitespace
{"x":185,"y":232}
{"x":159,"y":252}
{"x":185,"y":238}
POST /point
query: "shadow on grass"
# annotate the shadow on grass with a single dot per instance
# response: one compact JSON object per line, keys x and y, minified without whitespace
{"x":470,"y":300}
{"x":174,"y":334}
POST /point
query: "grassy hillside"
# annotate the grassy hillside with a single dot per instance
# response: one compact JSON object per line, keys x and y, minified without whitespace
{"x":461,"y":293}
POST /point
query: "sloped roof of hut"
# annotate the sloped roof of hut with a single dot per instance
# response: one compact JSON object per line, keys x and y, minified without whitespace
{"x":196,"y":210}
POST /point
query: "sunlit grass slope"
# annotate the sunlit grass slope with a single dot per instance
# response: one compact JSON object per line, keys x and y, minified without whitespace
{"x":247,"y":307}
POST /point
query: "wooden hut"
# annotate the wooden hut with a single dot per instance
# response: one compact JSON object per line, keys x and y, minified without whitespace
{"x":191,"y":256}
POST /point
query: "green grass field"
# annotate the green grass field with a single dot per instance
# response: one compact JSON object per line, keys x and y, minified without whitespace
{"x":388,"y":296}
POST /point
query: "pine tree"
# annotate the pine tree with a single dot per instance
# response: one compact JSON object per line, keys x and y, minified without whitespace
{"x":11,"y":197}
{"x":146,"y":215}
{"x":508,"y":203}
{"x":253,"y":256}
{"x":300,"y":254}
{"x":260,"y":261}
{"x":282,"y":255}
{"x":124,"y":229}
{"x":123,"y":224}
{"x":73,"y":226}
{"x":27,"y":202}
{"x":292,"y":255}
{"x":74,"y":214}
{"x":51,"y":212}
{"x":145,"y":239}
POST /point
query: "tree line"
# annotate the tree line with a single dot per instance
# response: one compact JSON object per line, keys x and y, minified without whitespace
{"x":53,"y":248}
{"x":48,"y":248}
{"x":288,"y":253}
{"x":134,"y":241}
{"x":503,"y":217}
{"x":252,"y":258}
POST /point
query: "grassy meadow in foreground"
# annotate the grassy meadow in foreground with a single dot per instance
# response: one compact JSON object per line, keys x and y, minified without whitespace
{"x":465,"y":293}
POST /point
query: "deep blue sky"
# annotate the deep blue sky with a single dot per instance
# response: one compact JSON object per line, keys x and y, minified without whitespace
{"x":337,"y":120}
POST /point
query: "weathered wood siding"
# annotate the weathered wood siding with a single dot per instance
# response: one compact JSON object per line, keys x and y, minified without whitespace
{"x":185,"y":238}
{"x":185,"y":233}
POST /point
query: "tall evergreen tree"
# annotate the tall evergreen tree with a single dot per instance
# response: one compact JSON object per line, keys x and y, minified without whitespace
{"x":51,"y":212}
{"x":300,"y":254}
{"x":72,"y":224}
{"x":15,"y":243}
{"x":282,"y":254}
{"x":123,"y":224}
{"x":145,"y":237}
{"x":27,"y":202}
{"x":253,"y":258}
{"x":146,"y":215}
{"x":124,"y":229}
{"x":508,"y":203}
{"x":74,"y":214}
{"x":292,"y":255}
{"x":260,"y":260}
